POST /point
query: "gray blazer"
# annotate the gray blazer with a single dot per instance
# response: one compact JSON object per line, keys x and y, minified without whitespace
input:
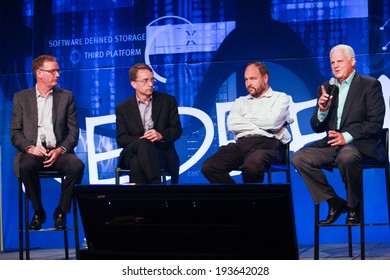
{"x":24,"y":122}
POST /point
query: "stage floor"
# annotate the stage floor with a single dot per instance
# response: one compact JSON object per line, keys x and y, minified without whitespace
{"x":374,"y":251}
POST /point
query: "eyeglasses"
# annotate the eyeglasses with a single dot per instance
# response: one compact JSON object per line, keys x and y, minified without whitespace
{"x":51,"y":71}
{"x":145,"y":81}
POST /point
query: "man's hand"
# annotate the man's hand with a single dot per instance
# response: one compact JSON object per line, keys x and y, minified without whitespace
{"x":336,"y":138}
{"x":39,"y":151}
{"x":324,"y":97}
{"x":52,"y":157}
{"x":152,"y":135}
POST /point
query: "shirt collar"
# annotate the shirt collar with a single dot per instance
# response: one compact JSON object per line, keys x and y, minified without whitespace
{"x":140,"y":101}
{"x":268,"y":93}
{"x":37,"y":93}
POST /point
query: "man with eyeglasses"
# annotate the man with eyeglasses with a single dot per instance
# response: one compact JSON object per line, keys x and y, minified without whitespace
{"x":147,"y":125}
{"x":45,"y":131}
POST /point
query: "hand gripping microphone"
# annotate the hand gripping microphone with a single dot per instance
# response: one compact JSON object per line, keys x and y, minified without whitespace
{"x":330,"y":89}
{"x":43,"y":142}
{"x":150,"y":125}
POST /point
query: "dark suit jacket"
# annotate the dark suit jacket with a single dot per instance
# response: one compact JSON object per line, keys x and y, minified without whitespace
{"x":362,"y":117}
{"x":166,"y":121}
{"x":24,"y":123}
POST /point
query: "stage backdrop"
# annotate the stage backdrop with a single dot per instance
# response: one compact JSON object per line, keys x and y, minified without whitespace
{"x":198,"y":50}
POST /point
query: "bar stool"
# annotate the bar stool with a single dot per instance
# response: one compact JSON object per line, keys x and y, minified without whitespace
{"x":121,"y":171}
{"x":383,"y":165}
{"x":24,"y":225}
{"x":281,"y":166}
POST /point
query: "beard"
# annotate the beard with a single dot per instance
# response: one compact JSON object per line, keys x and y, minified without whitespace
{"x":257,"y":92}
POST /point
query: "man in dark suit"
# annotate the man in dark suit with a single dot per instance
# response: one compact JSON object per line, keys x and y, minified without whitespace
{"x":147,"y":125}
{"x":353,"y":117}
{"x":45,"y":131}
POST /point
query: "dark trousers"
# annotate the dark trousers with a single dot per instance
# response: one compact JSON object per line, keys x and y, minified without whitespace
{"x":309,"y":162}
{"x":68,"y":164}
{"x":250,"y":155}
{"x":142,"y":158}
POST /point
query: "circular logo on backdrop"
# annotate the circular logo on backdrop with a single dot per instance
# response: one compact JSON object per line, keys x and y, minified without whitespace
{"x":75,"y":56}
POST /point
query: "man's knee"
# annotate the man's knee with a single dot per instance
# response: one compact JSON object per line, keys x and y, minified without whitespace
{"x":144,"y":143}
{"x":75,"y":169}
{"x":206,"y":166}
{"x":348,"y":156}
{"x":253,"y":167}
{"x":79,"y":166}
{"x":30,"y":164}
{"x":297,"y":159}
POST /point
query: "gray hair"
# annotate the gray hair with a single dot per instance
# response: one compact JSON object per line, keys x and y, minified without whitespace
{"x":348,"y":50}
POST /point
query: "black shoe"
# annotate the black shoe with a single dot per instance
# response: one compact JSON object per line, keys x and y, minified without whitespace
{"x":334,"y":214}
{"x":353,"y":217}
{"x":37,"y":221}
{"x":60,"y":220}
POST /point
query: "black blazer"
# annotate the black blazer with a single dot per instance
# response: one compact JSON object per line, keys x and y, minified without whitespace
{"x":166,"y":120}
{"x":362,"y":117}
{"x":24,"y":122}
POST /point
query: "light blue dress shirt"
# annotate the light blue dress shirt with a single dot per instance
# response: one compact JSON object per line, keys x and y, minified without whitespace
{"x":343,"y":92}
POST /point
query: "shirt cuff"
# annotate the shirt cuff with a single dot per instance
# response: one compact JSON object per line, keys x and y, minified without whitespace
{"x":28,"y":148}
{"x":322,"y":115}
{"x":348,"y":137}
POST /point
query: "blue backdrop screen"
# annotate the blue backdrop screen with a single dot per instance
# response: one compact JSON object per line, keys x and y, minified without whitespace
{"x":198,"y":50}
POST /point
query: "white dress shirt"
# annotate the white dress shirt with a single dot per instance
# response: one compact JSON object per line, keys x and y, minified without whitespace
{"x":264,"y":116}
{"x":45,"y":119}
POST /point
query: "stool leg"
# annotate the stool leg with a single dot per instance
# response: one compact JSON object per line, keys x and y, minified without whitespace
{"x":164,"y":176}
{"x":387,"y":175}
{"x":350,"y":252}
{"x":21,"y":249}
{"x":76,"y":228}
{"x":362,"y":237}
{"x":362,"y":243}
{"x":66,"y":244}
{"x":66,"y":241}
{"x":27,"y":229}
{"x":269,"y":176}
{"x":316,"y":232}
{"x":288,"y":176}
{"x":117,"y":176}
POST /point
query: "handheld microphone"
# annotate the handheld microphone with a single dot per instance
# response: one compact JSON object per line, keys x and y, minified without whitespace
{"x":330,"y":89}
{"x":43,"y":142}
{"x":150,"y":125}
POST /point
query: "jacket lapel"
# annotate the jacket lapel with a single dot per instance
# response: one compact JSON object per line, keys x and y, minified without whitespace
{"x":135,"y":115}
{"x":156,"y":108}
{"x":56,"y":101}
{"x":32,"y":101}
{"x":353,"y":89}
